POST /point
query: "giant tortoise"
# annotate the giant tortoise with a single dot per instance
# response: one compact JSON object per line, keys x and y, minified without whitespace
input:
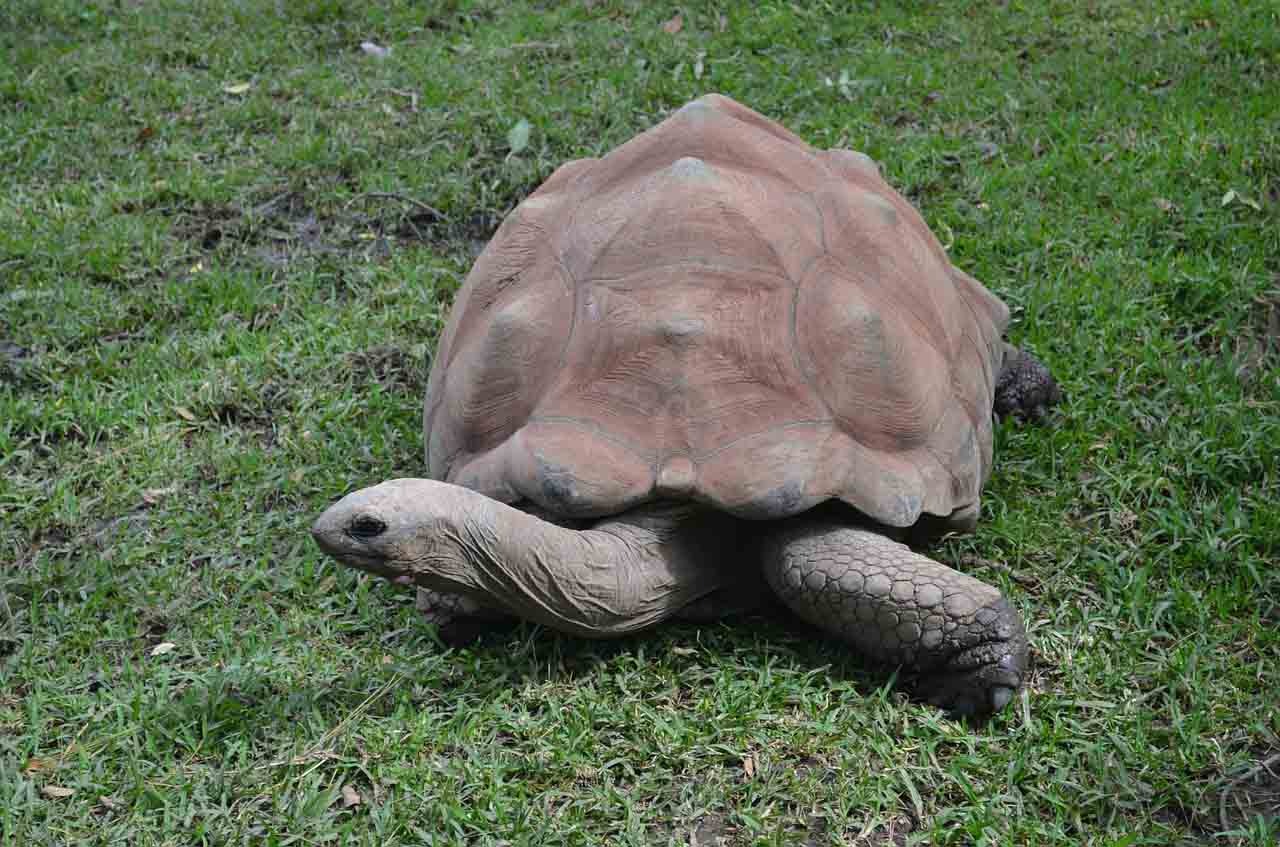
{"x":714,"y":362}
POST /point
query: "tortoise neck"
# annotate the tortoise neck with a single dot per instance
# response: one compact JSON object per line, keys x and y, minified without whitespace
{"x":625,"y":574}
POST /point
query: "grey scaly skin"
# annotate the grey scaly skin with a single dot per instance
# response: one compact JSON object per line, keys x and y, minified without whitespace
{"x":623,"y":575}
{"x":961,"y":639}
{"x":634,"y":571}
{"x":1024,"y":387}
{"x":460,"y":620}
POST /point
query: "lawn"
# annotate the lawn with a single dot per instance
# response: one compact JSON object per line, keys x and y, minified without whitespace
{"x":229,"y":236}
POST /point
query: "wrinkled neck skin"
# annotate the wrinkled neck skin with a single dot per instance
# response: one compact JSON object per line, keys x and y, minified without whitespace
{"x":623,"y":575}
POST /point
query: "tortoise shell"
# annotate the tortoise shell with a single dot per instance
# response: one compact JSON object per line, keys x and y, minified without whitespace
{"x":716,"y":311}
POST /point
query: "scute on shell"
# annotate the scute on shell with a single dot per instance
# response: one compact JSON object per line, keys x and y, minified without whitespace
{"x":717,"y":311}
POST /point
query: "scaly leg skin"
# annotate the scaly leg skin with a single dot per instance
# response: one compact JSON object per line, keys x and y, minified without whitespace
{"x":459,"y":620}
{"x":895,"y":606}
{"x":1024,"y":387}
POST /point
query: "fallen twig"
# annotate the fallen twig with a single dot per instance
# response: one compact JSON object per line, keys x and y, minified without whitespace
{"x":1265,"y":765}
{"x":318,"y":747}
{"x":537,"y":45}
{"x":412,"y":95}
{"x":391,"y":195}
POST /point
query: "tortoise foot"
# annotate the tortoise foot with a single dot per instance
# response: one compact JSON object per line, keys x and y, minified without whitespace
{"x":982,"y":679}
{"x":1025,"y":388}
{"x":956,"y":637}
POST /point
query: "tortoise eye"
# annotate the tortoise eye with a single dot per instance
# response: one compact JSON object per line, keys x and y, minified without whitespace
{"x":366,"y":526}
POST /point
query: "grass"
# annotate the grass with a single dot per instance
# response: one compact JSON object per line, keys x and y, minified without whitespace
{"x":217,"y":293}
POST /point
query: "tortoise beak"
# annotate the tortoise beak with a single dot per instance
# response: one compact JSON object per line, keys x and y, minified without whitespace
{"x":331,"y":533}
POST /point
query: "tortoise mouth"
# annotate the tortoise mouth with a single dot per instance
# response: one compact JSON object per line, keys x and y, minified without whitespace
{"x":349,"y":551}
{"x":373,"y":564}
{"x":376,"y":565}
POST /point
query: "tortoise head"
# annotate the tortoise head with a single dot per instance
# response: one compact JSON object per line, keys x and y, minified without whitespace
{"x":392,"y":528}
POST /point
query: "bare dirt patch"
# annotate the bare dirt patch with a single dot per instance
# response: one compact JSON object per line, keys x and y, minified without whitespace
{"x":466,"y":237}
{"x":710,"y":831}
{"x":11,"y":354}
{"x":279,"y":230}
{"x":894,"y":833}
{"x":274,"y":229}
{"x":1252,"y":794}
{"x":1259,"y":348}
{"x":18,"y":367}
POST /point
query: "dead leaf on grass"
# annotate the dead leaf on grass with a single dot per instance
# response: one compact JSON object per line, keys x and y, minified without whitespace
{"x":749,"y":766}
{"x":152,"y":496}
{"x":37,"y":765}
{"x":377,"y":51}
{"x":1122,"y":519}
{"x":185,"y":413}
{"x":57,"y":792}
{"x":350,"y":797}
{"x":1233,"y":196}
{"x":237,"y":88}
{"x":674,"y":25}
{"x":518,"y":136}
{"x":412,"y":96}
{"x":162,"y":648}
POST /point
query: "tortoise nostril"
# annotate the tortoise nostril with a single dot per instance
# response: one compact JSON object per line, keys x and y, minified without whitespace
{"x":366,"y":526}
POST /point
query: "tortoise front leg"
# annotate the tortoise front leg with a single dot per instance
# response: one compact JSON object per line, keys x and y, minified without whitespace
{"x":459,"y":620}
{"x":895,"y":606}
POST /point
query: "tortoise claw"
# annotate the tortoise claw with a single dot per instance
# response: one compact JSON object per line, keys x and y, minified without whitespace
{"x":977,"y":692}
{"x":982,"y":679}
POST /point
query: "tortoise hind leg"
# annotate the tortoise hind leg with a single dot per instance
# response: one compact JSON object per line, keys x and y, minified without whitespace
{"x":961,"y":637}
{"x":1024,"y":386}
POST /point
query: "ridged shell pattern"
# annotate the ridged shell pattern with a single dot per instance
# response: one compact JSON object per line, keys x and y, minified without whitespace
{"x":716,"y":311}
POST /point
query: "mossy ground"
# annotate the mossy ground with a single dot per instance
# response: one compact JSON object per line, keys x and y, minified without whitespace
{"x":218,"y":287}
